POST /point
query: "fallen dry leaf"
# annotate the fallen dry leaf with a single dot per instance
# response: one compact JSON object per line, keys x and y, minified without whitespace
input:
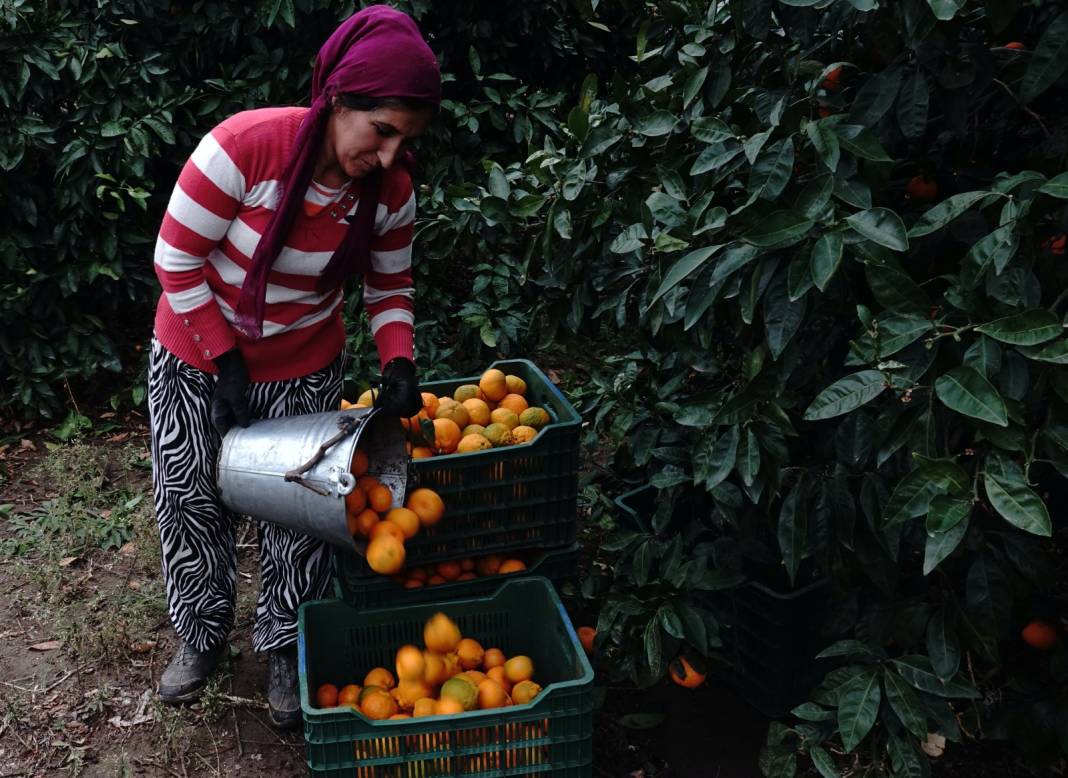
{"x":119,"y":437}
{"x":27,"y":445}
{"x":934,"y":746}
{"x":142,"y":646}
{"x":67,"y":561}
{"x":47,"y":645}
{"x":129,"y":548}
{"x":106,"y":513}
{"x":134,"y":585}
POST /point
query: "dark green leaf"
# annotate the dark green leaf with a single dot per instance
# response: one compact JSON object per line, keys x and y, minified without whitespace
{"x":882,"y":226}
{"x":1049,"y":61}
{"x":917,"y":672}
{"x":946,"y":512}
{"x":1056,"y":187}
{"x":683,"y":268}
{"x":905,"y":704}
{"x":945,"y":212}
{"x":651,"y":641}
{"x":666,"y":209}
{"x":966,"y":391}
{"x":709,"y":129}
{"x":656,"y":123}
{"x":1018,"y":504}
{"x":748,"y":458}
{"x":912,"y":104}
{"x":944,"y":10}
{"x":875,"y":97}
{"x":940,"y":545}
{"x":996,"y":249}
{"x":846,"y":394}
{"x":782,"y":316}
{"x":1028,"y":328}
{"x":793,"y":530}
{"x":825,"y":259}
{"x":780,"y":229}
{"x":710,"y":470}
{"x":772,"y":171}
{"x":640,"y":721}
{"x":823,"y":763}
{"x":860,"y":142}
{"x":896,"y":331}
{"x":943,"y":645}
{"x":825,"y":142}
{"x":858,"y":707}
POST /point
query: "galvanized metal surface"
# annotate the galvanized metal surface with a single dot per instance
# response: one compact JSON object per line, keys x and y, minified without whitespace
{"x":254,"y":460}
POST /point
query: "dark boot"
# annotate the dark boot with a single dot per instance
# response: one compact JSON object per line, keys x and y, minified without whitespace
{"x":283,"y":688}
{"x":188,"y":672}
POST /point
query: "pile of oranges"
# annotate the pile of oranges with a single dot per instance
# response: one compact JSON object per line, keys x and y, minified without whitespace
{"x":370,"y":514}
{"x":458,"y":570}
{"x":492,"y":413}
{"x":451,"y":675}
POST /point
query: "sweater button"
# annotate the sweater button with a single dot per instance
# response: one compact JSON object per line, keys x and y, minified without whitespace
{"x":185,"y":322}
{"x":333,"y":213}
{"x":207,"y":353}
{"x":196,"y":339}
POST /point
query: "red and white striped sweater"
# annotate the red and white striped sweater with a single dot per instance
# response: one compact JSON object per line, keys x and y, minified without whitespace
{"x":220,"y":207}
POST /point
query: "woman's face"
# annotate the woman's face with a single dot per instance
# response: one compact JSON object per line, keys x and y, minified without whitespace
{"x":364,"y":140}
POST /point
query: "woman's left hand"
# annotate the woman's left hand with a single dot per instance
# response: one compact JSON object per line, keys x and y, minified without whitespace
{"x":399,"y":395}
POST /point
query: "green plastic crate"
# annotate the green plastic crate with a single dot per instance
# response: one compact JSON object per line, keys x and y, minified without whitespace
{"x":377,"y":591}
{"x":550,"y":736}
{"x":771,"y":631}
{"x":504,"y":499}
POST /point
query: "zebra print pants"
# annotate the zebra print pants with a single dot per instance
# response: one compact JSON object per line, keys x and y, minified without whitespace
{"x":197,"y":534}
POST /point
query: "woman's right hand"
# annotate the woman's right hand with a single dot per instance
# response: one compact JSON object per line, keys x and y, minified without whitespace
{"x":229,"y":402}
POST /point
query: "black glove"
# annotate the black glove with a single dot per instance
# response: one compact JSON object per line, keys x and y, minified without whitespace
{"x":229,"y":402}
{"x":399,"y":395}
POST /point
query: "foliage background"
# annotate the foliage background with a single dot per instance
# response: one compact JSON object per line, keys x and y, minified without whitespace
{"x":710,"y":203}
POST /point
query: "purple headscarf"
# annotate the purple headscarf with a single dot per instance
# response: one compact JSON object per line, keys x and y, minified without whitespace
{"x":377,"y":52}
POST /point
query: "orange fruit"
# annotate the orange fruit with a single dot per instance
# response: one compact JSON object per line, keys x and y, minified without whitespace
{"x":461,"y":689}
{"x":684,"y":674}
{"x":456,"y":412}
{"x":326,"y":696}
{"x":423,"y":707}
{"x":830,"y":81}
{"x":408,"y":692}
{"x":493,"y":657}
{"x":472,"y":429}
{"x":450,"y":571}
{"x":505,"y":416}
{"x":519,"y":668}
{"x":922,"y":189}
{"x":355,"y":501}
{"x":525,"y":691}
{"x":360,"y":462}
{"x":534,"y":417}
{"x":523,"y":434}
{"x":586,"y":636}
{"x":349,"y":695}
{"x":410,"y":663}
{"x":427,"y":506}
{"x":513,"y":402}
{"x":345,"y":404}
{"x":470,"y":443}
{"x":406,"y":519}
{"x":489,"y":565}
{"x":418,"y":574}
{"x":477,"y":676}
{"x":498,"y":434}
{"x":412,"y":583}
{"x":430,"y":403}
{"x":415,"y":422}
{"x":365,"y":522}
{"x":422,"y":452}
{"x":466,"y":392}
{"x":452,"y":663}
{"x":380,"y":677}
{"x":467,"y":564}
{"x":367,"y":398}
{"x":365,"y":483}
{"x":497,"y":674}
{"x":447,"y":706}
{"x":1016,"y":45}
{"x":440,"y":633}
{"x":400,"y":716}
{"x":435,"y":673}
{"x":378,"y":705}
{"x":493,"y":384}
{"x":468,"y":576}
{"x":380,"y":498}
{"x":369,"y":690}
{"x":511,"y":566}
{"x":385,"y":554}
{"x":470,"y":653}
{"x":387,"y":528}
{"x":477,"y":411}
{"x":1056,"y":243}
{"x":435,"y":580}
{"x":446,"y":435}
{"x":1040,"y":634}
{"x":515,"y":384}
{"x":491,"y":694}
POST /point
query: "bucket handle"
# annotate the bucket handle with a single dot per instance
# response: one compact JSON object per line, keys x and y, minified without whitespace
{"x":347,"y":425}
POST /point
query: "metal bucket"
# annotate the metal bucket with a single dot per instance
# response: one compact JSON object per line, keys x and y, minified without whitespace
{"x":259,"y":468}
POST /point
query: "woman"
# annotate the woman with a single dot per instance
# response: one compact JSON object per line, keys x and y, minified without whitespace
{"x":275,"y":209}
